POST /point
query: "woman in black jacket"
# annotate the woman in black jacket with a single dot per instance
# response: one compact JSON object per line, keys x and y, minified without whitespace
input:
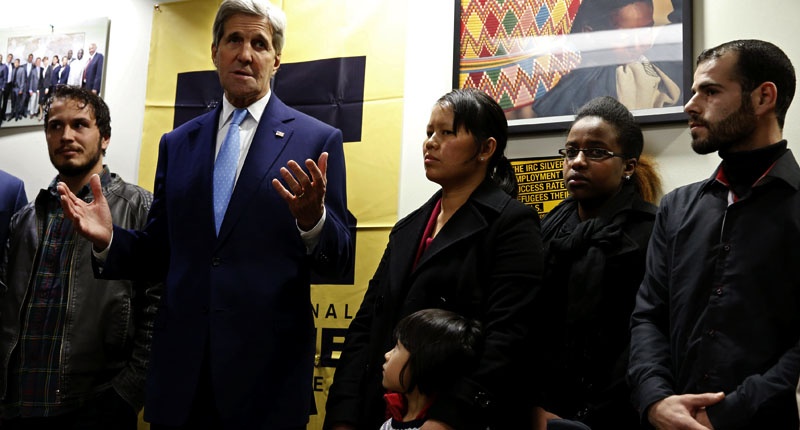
{"x":472,"y":249}
{"x":595,"y":245}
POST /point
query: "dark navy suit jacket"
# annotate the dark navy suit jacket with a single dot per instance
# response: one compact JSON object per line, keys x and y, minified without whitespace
{"x":94,"y":73}
{"x":12,"y":199}
{"x":64,"y":75}
{"x":242,"y":298}
{"x":3,"y":76}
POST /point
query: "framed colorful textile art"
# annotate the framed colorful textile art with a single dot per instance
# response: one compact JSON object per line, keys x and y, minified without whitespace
{"x":543,"y":59}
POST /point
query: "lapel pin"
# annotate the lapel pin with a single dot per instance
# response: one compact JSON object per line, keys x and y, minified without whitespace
{"x":279,"y":133}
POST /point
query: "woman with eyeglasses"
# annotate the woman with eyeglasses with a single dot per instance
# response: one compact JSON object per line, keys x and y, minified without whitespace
{"x":595,"y":244}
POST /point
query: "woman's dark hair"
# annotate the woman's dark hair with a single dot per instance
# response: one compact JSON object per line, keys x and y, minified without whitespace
{"x":442,"y":346}
{"x":647,"y":180}
{"x":630,"y":138}
{"x":629,"y":134}
{"x":482,"y":117}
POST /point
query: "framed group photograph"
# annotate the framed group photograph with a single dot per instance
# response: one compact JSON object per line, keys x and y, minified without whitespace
{"x":67,"y":53}
{"x":543,"y":59}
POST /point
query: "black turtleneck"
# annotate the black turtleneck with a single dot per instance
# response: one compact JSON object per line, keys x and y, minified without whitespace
{"x":743,"y":168}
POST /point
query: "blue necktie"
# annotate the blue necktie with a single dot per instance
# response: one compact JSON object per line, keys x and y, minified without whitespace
{"x":225,"y":167}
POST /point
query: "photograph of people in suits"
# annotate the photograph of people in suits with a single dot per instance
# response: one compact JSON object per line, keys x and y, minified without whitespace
{"x":85,"y":70}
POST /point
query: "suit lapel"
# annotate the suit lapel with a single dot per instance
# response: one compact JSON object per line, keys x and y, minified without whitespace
{"x":201,"y":143}
{"x":270,"y":140}
{"x":404,"y":251}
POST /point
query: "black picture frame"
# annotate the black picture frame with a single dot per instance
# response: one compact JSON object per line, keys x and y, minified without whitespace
{"x":671,"y":52}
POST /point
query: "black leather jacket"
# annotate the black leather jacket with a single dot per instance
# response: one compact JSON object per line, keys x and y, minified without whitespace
{"x":109,"y":324}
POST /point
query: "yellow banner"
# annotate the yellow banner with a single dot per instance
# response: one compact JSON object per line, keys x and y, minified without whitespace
{"x":540,"y":182}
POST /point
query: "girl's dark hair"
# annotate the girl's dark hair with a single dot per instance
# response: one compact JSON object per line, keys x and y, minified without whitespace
{"x":442,"y":347}
{"x":482,"y":117}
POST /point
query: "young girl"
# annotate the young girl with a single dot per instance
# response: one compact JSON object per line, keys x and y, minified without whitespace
{"x":434,"y":348}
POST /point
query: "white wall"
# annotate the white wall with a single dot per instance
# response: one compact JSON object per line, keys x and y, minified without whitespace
{"x":23,"y":149}
{"x":429,"y":69}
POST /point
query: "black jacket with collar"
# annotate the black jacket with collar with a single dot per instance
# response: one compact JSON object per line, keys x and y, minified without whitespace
{"x":485,"y":263}
{"x":719,"y":307}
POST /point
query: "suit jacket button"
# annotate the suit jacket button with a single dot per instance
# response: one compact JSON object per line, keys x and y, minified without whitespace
{"x":215,"y":261}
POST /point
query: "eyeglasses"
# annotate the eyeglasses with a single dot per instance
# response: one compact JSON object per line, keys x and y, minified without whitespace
{"x":596,"y":154}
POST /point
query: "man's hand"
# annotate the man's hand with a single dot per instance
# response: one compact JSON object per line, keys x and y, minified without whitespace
{"x":305,"y":196}
{"x":702,"y":418}
{"x":686,"y":411}
{"x":91,"y":220}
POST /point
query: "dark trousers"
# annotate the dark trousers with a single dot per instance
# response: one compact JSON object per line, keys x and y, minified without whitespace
{"x":204,"y":414}
{"x":21,"y":104}
{"x":106,"y":411}
{"x":18,"y":104}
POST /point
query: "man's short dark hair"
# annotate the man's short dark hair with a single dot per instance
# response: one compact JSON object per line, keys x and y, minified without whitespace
{"x":758,"y":62}
{"x":85,"y":98}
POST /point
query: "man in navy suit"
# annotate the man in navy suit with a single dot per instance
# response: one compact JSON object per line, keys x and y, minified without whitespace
{"x":63,"y":72}
{"x":19,"y":90}
{"x":26,"y":71}
{"x":12,"y":199}
{"x":93,"y":72}
{"x":56,"y":73}
{"x":234,"y":345}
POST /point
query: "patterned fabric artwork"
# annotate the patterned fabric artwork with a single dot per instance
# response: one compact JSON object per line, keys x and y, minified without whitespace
{"x":506,"y":51}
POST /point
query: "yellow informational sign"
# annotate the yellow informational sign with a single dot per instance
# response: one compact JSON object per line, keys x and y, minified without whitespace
{"x":540,"y":182}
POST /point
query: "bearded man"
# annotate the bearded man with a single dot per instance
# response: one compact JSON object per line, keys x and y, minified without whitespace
{"x":714,"y":334}
{"x":74,"y":348}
